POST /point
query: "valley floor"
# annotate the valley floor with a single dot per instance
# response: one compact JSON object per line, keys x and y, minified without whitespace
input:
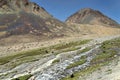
{"x":60,"y":61}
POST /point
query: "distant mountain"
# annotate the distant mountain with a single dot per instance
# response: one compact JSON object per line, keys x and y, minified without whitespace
{"x":90,"y":16}
{"x":21,"y":17}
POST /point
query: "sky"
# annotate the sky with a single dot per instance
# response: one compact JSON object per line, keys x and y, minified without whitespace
{"x":62,"y":9}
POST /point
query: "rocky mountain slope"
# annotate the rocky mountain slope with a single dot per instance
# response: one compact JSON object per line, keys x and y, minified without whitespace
{"x":92,"y":22}
{"x":22,"y":17}
{"x":90,"y":16}
{"x":25,"y":21}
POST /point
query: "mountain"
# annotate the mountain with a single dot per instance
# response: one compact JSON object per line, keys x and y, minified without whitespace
{"x":25,"y":21}
{"x":90,"y":16}
{"x":22,"y":17}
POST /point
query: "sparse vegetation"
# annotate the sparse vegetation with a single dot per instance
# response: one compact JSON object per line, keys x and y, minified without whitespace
{"x":70,"y":49}
{"x":104,"y":56}
{"x":112,"y":44}
{"x":109,"y":71}
{"x":80,"y":62}
{"x":22,"y":55}
{"x":7,"y":74}
{"x":84,"y":50}
{"x":26,"y":77}
{"x":71,"y":44}
{"x":56,"y":61}
{"x":29,"y":56}
{"x":109,"y":49}
{"x":83,"y":72}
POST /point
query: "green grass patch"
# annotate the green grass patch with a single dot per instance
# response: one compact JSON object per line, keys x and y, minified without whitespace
{"x":84,"y":50}
{"x":71,"y":44}
{"x":56,"y":61}
{"x":111,"y":44}
{"x":109,"y":71}
{"x":83,"y":72}
{"x":108,"y":50}
{"x":71,"y":49}
{"x":67,"y":50}
{"x":80,"y":62}
{"x":23,"y":54}
{"x":86,"y":71}
{"x":26,"y":77}
{"x":104,"y":56}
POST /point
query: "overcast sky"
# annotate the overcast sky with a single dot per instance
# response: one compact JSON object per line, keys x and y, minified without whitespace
{"x":61,"y":9}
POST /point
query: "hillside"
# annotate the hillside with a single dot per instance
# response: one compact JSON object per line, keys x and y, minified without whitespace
{"x":24,"y":21}
{"x":27,"y":19}
{"x":90,"y":16}
{"x":89,"y":22}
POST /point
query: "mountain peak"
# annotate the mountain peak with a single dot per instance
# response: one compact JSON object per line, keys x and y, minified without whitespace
{"x":85,"y":9}
{"x":91,"y":16}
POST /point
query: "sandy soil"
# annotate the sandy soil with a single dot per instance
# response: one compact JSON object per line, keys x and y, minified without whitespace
{"x":14,"y":49}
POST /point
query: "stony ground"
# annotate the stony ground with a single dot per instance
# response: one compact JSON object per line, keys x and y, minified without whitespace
{"x":108,"y":72}
{"x":55,"y":66}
